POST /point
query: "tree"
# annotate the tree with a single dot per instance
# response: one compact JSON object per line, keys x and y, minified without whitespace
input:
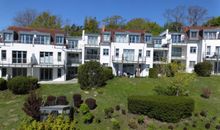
{"x":215,"y":21}
{"x":176,"y":15}
{"x":114,"y":22}
{"x":32,"y":105}
{"x":153,"y":28}
{"x":73,"y":30}
{"x":47,"y":20}
{"x":91,"y":25}
{"x":136,"y":24}
{"x":174,"y":26}
{"x":25,"y":17}
{"x":196,"y":15}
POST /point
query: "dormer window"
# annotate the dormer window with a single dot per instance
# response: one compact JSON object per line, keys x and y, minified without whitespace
{"x":73,"y":44}
{"x":26,"y":38}
{"x":157,"y":41}
{"x":176,"y":38}
{"x":194,"y":34}
{"x":148,"y":38}
{"x":209,"y":35}
{"x":92,"y":40}
{"x":59,"y":39}
{"x":106,"y":37}
{"x":8,"y":37}
{"x":42,"y":39}
{"x":134,"y":39}
{"x":121,"y":38}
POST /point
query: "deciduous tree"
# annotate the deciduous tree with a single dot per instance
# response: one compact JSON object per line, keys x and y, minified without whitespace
{"x":25,"y":17}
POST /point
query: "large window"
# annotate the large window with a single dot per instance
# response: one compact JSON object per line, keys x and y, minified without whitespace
{"x":148,"y":53}
{"x":46,"y":57}
{"x":4,"y":72}
{"x":192,"y":64}
{"x":217,"y":50}
{"x":140,"y":53}
{"x":59,"y":56}
{"x":59,"y":39}
{"x":117,"y":52}
{"x":26,"y":38}
{"x":4,"y":55}
{"x":194,"y":34}
{"x":8,"y":37}
{"x":208,"y":50}
{"x":59,"y":72}
{"x":92,"y":53}
{"x":93,"y":40}
{"x":19,"y":56}
{"x":42,"y":39}
{"x":46,"y":74}
{"x":19,"y":72}
{"x":192,"y":49}
{"x":176,"y":38}
{"x":121,"y":38}
{"x":105,"y":52}
{"x":209,"y":35}
{"x":148,"y":38}
{"x":157,"y":41}
{"x":134,"y":39}
{"x":73,"y":44}
{"x":106,"y":37}
{"x":176,"y":51}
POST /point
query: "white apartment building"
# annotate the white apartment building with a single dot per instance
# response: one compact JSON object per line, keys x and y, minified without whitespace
{"x":51,"y":55}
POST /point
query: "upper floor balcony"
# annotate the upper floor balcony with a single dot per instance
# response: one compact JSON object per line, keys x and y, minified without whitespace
{"x":129,"y":59}
{"x":178,"y":56}
{"x":92,"y":56}
{"x":211,"y":56}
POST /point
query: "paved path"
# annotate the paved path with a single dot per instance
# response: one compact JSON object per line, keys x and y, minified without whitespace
{"x":72,"y":81}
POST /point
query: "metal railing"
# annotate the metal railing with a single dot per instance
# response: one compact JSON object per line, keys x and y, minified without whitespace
{"x":129,"y":59}
{"x":74,"y":61}
{"x":92,"y":56}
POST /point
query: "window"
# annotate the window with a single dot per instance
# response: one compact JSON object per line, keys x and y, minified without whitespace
{"x":147,"y":53}
{"x":106,"y":37}
{"x":121,"y":38}
{"x":192,"y":64}
{"x":134,"y":39}
{"x":73,"y":44}
{"x":147,"y":66}
{"x":157,"y":41}
{"x":92,"y":54}
{"x":4,"y":55}
{"x":140,"y":53}
{"x":42,"y":39}
{"x":193,"y":34}
{"x":59,"y":72}
{"x":105,"y":52}
{"x":59,"y":56}
{"x":4,"y":72}
{"x":176,"y":38}
{"x":46,"y":73}
{"x":93,"y":40}
{"x":217,"y":50}
{"x":46,"y":57}
{"x":147,"y":38}
{"x":26,"y":38}
{"x":117,"y":52}
{"x":176,"y":51}
{"x":208,"y":50}
{"x":209,"y":35}
{"x":19,"y":56}
{"x":192,"y":49}
{"x":8,"y":37}
{"x":59,"y":39}
{"x":19,"y":72}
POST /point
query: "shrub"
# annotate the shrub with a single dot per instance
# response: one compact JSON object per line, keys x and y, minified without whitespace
{"x":77,"y":100}
{"x":33,"y":81}
{"x":91,"y":103}
{"x":108,"y":73}
{"x":132,"y":124}
{"x":88,"y":117}
{"x":51,"y":101}
{"x":108,"y":112}
{"x":153,"y":73}
{"x":91,"y":75}
{"x":84,"y":108}
{"x":3,"y":84}
{"x":203,"y":69}
{"x":123,"y":111}
{"x":206,"y":92}
{"x":141,"y":119}
{"x":207,"y":125}
{"x":61,"y":100}
{"x":170,"y":127}
{"x":203,"y":113}
{"x":21,"y":85}
{"x":98,"y":120}
{"x":217,"y":127}
{"x":184,"y":128}
{"x":164,"y":108}
{"x":117,"y":107}
{"x":115,"y":124}
{"x":32,"y":105}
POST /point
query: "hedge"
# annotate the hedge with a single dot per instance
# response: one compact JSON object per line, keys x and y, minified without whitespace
{"x":203,"y":69}
{"x":163,"y":108}
{"x":153,"y":73}
{"x":3,"y":84}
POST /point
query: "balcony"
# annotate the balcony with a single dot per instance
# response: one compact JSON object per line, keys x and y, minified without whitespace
{"x":212,"y":56}
{"x":178,"y":56}
{"x":132,"y":59}
{"x":161,"y":46}
{"x":74,"y":61}
{"x":92,"y":56}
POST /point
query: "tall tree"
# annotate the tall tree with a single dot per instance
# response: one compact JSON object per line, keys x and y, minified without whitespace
{"x":73,"y":30}
{"x":91,"y":25}
{"x":153,"y":28}
{"x":173,"y":26}
{"x":136,"y":24}
{"x":215,"y":21}
{"x":25,"y":17}
{"x":196,"y":15}
{"x":114,"y":22}
{"x":47,"y":20}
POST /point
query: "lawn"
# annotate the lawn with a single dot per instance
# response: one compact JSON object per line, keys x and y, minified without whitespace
{"x":115,"y":93}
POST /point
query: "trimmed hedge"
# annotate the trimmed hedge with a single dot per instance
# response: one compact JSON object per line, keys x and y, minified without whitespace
{"x":108,"y":73}
{"x":3,"y":84}
{"x":163,"y":108}
{"x":203,"y":69}
{"x":153,"y":73}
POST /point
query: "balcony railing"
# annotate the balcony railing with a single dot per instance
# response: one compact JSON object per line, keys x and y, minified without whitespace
{"x":211,"y":56}
{"x":74,"y":61}
{"x":128,"y":59}
{"x":92,"y":57}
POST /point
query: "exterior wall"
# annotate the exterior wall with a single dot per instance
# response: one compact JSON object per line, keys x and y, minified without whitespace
{"x":191,"y":56}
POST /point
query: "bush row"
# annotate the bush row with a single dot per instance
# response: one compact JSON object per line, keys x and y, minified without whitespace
{"x":3,"y":84}
{"x":52,"y":100}
{"x":90,"y":102}
{"x":164,"y":108}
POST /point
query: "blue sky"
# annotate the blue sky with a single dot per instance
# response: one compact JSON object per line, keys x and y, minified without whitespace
{"x":76,"y":10}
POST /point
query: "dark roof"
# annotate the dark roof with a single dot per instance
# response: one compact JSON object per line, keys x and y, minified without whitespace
{"x":187,"y":28}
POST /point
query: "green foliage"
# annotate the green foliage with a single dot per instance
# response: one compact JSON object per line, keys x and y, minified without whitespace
{"x":58,"y":123}
{"x":88,"y":117}
{"x":22,"y":85}
{"x":47,"y":20}
{"x":154,"y":28}
{"x":84,"y":108}
{"x":32,"y":105}
{"x":132,"y":124}
{"x":91,"y":25}
{"x":108,"y":112}
{"x":164,"y":108}
{"x":114,"y":22}
{"x":91,"y":75}
{"x":3,"y":84}
{"x":73,"y":30}
{"x":214,"y":22}
{"x":153,"y":73}
{"x":136,"y":24}
{"x":108,"y":73}
{"x":173,"y":26}
{"x":141,"y":119}
{"x":203,"y":69}
{"x":172,"y":68}
{"x":115,"y":124}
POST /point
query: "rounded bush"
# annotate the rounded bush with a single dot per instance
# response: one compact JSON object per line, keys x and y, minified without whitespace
{"x":84,"y":108}
{"x":3,"y":84}
{"x":91,"y":103}
{"x":88,"y":118}
{"x":132,"y":124}
{"x":51,"y":101}
{"x":117,"y":107}
{"x":115,"y":124}
{"x":77,"y":100}
{"x":108,"y":73}
{"x":153,"y":73}
{"x":203,"y":69}
{"x":207,"y":125}
{"x":164,"y":108}
{"x":108,"y":112}
{"x":61,"y":100}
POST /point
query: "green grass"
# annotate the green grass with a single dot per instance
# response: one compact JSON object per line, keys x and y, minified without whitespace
{"x":115,"y":93}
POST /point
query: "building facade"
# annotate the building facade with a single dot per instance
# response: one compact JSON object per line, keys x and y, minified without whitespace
{"x":52,"y":55}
